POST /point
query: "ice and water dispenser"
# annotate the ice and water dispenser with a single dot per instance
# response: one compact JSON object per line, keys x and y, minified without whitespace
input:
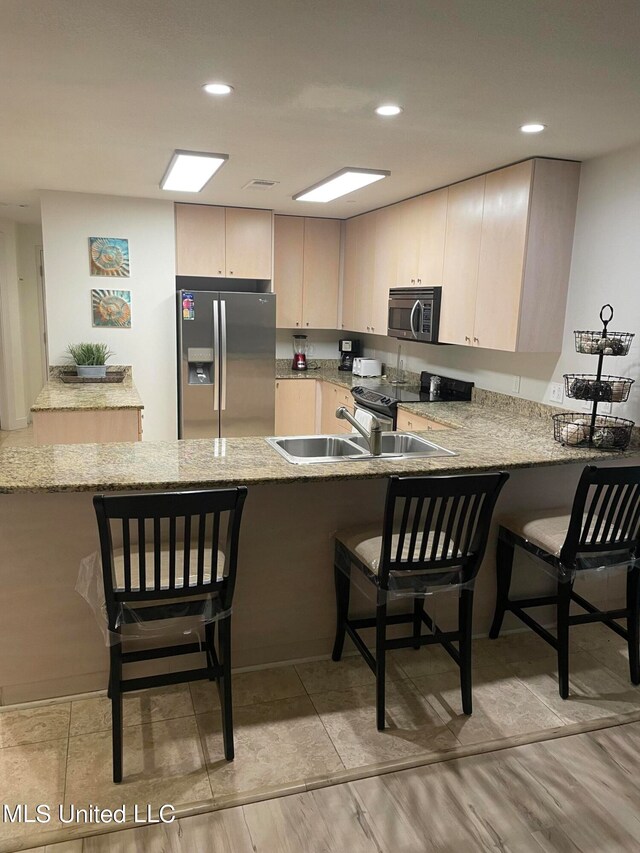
{"x":200,"y":366}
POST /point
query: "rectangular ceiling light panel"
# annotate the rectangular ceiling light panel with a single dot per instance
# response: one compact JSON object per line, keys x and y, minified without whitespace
{"x":342,"y":183}
{"x":190,"y":171}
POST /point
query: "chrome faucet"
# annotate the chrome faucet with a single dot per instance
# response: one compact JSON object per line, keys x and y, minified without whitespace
{"x":373,"y":438}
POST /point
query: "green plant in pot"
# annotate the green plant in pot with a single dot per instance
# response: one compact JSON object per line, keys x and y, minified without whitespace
{"x":90,"y":359}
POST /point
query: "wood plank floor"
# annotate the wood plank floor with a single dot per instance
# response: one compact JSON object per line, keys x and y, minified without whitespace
{"x":578,"y":793}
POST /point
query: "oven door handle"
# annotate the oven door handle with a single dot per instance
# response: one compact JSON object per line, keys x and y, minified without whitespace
{"x":416,"y":304}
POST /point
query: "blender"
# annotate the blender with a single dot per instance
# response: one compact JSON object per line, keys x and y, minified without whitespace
{"x":299,"y":352}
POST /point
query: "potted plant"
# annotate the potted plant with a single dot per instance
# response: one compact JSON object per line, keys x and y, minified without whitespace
{"x":90,"y":359}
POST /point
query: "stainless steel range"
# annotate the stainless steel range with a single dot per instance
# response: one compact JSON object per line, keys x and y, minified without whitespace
{"x":382,"y":398}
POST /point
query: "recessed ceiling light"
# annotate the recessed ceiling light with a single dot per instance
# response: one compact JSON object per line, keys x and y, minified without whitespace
{"x":388,"y":110}
{"x":534,"y":127}
{"x":218,"y":88}
{"x":190,"y":171}
{"x":345,"y":181}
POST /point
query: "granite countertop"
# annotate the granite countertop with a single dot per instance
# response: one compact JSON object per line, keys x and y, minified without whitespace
{"x":487,"y":434}
{"x":58,"y":396}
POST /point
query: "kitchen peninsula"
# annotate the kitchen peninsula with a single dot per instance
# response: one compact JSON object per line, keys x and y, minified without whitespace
{"x":284,"y":604}
{"x":83,"y":413}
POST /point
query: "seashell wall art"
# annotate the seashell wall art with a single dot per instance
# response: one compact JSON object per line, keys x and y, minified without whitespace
{"x":109,"y":256}
{"x":111,"y":308}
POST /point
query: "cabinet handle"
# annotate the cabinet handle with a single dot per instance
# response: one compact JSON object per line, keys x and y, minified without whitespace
{"x":419,"y":281}
{"x":297,"y":324}
{"x":476,"y":341}
{"x":230,"y":272}
{"x":467,"y":338}
{"x":372,"y":329}
{"x":219,"y":272}
{"x":413,"y":281}
{"x":307,"y":324}
{"x":410,"y":423}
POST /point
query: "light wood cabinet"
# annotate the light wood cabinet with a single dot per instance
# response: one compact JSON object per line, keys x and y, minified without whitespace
{"x":359,"y":268}
{"x":200,"y":240}
{"x":420,"y":228}
{"x":295,"y":407}
{"x":397,"y":246}
{"x":288,"y":249}
{"x":87,"y":427}
{"x":332,"y":396}
{"x":248,"y":235}
{"x":461,"y":258}
{"x":306,"y":272}
{"x":409,"y":421}
{"x":219,"y":242}
{"x":507,"y":257}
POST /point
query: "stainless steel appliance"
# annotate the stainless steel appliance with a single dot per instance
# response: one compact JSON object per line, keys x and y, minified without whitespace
{"x":348,"y":350}
{"x":414,"y":313}
{"x":227,"y":360}
{"x":382,"y":398}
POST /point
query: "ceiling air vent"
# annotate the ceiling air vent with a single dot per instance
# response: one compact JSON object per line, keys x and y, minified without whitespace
{"x":259,"y":184}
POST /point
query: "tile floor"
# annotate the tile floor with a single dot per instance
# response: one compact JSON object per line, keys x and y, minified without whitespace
{"x":297,"y":726}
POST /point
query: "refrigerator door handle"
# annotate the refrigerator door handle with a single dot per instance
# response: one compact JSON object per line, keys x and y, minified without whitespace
{"x":223,"y":355}
{"x":216,"y":347}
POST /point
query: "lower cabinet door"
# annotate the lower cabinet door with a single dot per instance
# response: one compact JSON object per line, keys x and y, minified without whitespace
{"x":295,"y":407}
{"x":408,"y":421}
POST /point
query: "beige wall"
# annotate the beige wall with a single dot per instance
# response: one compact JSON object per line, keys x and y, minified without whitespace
{"x":13,"y":396}
{"x":29,"y":242}
{"x":68,"y":220}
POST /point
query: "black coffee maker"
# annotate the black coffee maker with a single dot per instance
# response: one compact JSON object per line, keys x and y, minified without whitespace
{"x":348,"y":350}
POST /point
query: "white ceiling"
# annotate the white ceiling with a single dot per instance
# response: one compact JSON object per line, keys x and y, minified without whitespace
{"x":95,"y":96}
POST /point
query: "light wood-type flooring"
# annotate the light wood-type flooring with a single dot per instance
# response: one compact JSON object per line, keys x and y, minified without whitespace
{"x":17,"y":438}
{"x":579,"y":793}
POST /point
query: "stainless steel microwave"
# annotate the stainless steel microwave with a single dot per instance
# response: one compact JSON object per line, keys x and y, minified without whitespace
{"x":414,"y":313}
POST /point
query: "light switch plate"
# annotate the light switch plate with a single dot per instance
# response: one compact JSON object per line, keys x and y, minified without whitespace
{"x":516,"y":384}
{"x":556,"y":392}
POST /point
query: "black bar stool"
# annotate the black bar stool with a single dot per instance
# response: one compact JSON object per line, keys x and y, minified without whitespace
{"x":181,"y":563}
{"x":434,"y":534}
{"x":601,"y":530}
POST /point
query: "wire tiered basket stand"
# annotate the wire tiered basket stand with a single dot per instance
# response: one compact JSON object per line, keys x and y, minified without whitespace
{"x":605,"y":432}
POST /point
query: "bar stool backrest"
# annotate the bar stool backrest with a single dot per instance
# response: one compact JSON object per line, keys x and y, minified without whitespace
{"x":436,"y":523}
{"x":605,"y":516}
{"x":173,"y":544}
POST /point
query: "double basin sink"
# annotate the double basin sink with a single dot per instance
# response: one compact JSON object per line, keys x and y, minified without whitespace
{"x":306,"y":449}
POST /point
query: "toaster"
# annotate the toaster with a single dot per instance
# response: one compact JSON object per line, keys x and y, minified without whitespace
{"x":367,"y":367}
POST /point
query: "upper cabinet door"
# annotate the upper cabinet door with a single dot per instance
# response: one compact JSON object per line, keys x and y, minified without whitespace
{"x":350,"y":273}
{"x":385,"y":268}
{"x":431,"y":237}
{"x":321,"y":274}
{"x":200,"y":240}
{"x":502,"y":252}
{"x":288,"y":243}
{"x":409,"y":229}
{"x":461,"y":258}
{"x":248,"y":242}
{"x":366,"y":263}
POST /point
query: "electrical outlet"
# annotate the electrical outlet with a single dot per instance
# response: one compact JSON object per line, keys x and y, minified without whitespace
{"x":556,"y":392}
{"x":515,"y":387}
{"x":603,"y":408}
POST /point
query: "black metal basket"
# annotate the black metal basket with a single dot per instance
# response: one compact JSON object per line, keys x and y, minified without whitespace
{"x":612,"y":343}
{"x":607,"y":389}
{"x":573,"y":429}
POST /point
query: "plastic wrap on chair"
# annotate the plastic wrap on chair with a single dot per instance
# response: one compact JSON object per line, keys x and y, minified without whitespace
{"x":146,"y":620}
{"x":413,"y":583}
{"x":586,"y":563}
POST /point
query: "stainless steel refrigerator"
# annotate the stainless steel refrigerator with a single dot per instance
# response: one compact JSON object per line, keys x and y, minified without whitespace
{"x":227,"y":363}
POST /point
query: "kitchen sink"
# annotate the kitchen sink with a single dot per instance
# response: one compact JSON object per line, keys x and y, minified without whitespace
{"x":307,"y":449}
{"x":403,"y":444}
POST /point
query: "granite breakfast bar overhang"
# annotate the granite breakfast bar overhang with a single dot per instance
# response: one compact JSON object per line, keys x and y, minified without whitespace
{"x":284,"y":606}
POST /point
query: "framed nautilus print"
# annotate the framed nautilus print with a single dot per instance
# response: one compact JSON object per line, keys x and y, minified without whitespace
{"x":109,"y":256}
